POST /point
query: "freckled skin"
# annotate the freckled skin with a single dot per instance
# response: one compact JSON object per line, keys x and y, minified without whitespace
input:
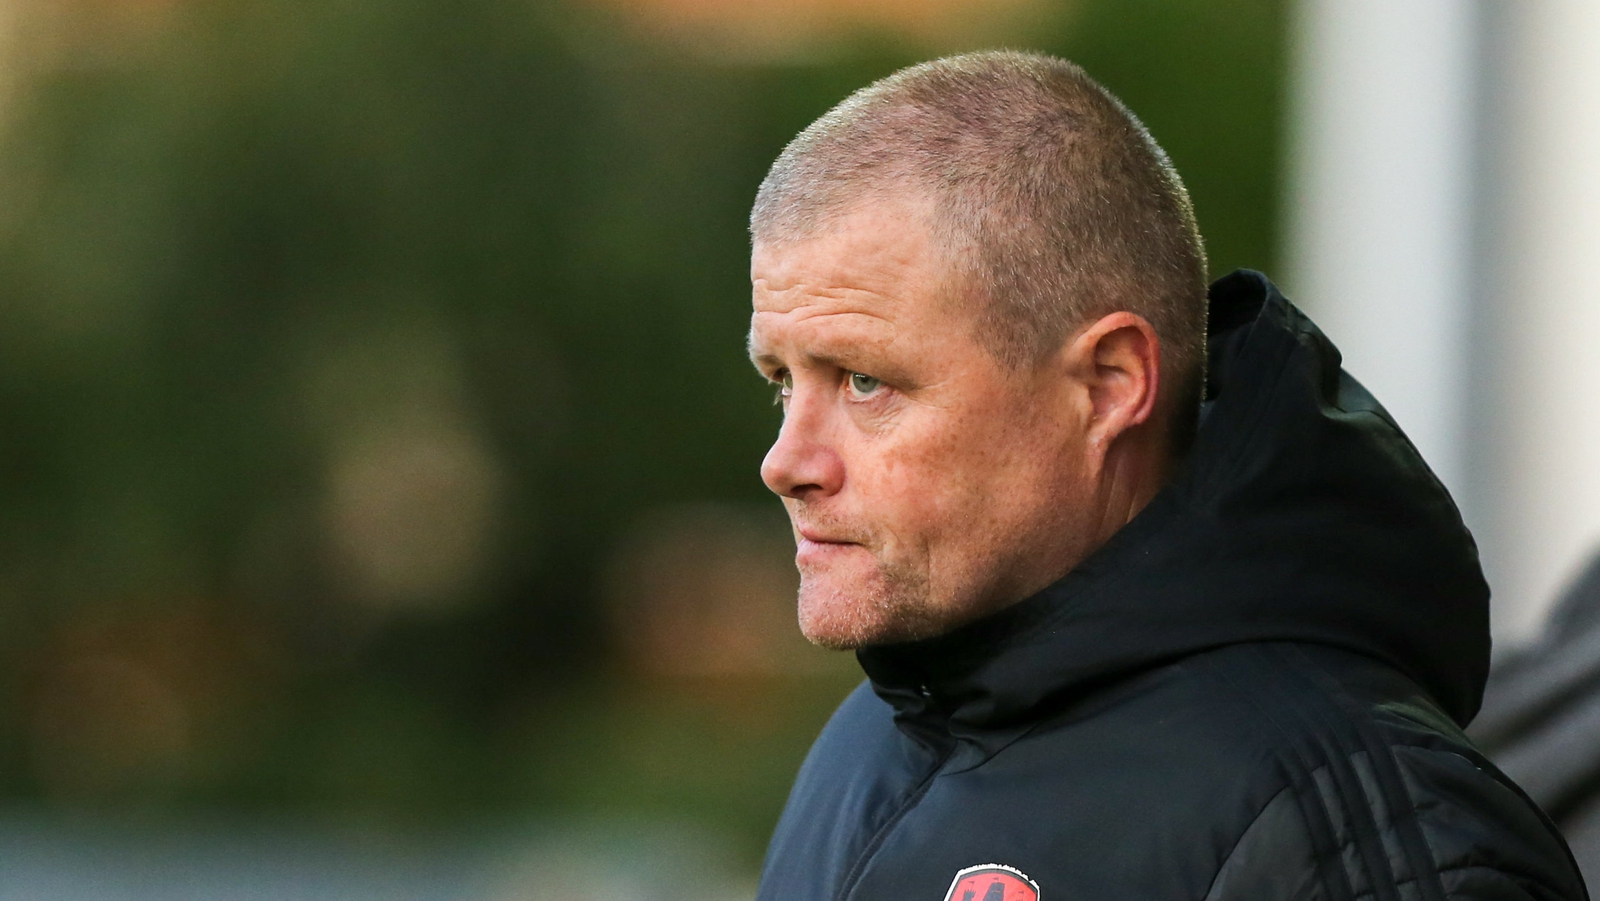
{"x":927,"y":483}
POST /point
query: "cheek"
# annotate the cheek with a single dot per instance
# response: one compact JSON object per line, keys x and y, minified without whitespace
{"x":939,"y":474}
{"x":987,"y":470}
{"x":920,"y":485}
{"x":888,"y":485}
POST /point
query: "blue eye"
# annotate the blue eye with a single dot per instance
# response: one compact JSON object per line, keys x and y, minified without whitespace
{"x":785,"y":381}
{"x":864,"y":384}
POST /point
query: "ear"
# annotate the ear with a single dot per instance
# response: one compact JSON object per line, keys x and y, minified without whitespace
{"x":1117,"y":359}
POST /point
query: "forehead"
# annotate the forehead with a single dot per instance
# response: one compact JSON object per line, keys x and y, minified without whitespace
{"x":882,"y":247}
{"x":869,"y":276}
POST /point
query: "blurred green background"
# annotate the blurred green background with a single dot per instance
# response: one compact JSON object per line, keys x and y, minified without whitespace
{"x":376,"y":435}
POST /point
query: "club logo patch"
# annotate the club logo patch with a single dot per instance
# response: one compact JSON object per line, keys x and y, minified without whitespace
{"x":992,"y":882}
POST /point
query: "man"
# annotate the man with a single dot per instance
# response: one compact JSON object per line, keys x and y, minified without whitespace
{"x":1138,"y":622}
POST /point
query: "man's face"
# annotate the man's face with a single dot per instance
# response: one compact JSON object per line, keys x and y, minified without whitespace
{"x":927,"y":483}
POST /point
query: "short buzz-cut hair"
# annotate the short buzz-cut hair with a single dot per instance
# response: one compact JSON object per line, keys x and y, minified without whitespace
{"x":1053,"y":201}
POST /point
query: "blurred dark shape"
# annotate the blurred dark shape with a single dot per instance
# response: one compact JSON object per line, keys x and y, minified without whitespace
{"x":127,"y":704}
{"x":709,"y":590}
{"x":105,"y":724}
{"x":1540,"y":720}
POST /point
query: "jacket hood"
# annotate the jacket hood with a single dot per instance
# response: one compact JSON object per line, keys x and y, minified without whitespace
{"x":1302,"y":513}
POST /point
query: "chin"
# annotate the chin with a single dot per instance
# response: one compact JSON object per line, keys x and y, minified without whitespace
{"x":845,"y":614}
{"x":837,"y":630}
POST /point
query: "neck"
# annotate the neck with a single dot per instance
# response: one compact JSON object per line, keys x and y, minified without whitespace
{"x":1132,"y":475}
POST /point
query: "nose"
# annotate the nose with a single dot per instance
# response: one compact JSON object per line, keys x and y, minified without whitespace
{"x":801,"y":465}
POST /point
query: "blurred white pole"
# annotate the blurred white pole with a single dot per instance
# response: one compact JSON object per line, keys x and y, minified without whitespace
{"x":1542,"y":333}
{"x":1379,"y":202}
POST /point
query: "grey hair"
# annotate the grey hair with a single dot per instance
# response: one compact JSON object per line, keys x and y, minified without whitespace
{"x":1051,"y":198}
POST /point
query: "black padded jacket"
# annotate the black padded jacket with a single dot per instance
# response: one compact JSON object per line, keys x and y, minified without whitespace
{"x":1253,"y":691}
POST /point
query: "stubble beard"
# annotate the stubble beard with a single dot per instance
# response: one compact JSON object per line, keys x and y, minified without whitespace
{"x":891,"y":605}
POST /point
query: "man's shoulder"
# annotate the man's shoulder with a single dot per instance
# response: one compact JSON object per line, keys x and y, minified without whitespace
{"x":1372,"y":773}
{"x":1258,"y":702}
{"x":1246,"y":719}
{"x":1263,"y":717}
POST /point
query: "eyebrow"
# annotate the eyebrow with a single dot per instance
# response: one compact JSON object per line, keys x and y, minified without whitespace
{"x":848,"y":352}
{"x":773,"y":361}
{"x":759,"y":360}
{"x":767,"y":363}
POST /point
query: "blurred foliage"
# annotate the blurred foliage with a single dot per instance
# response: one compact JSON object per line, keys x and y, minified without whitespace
{"x":262,"y":234}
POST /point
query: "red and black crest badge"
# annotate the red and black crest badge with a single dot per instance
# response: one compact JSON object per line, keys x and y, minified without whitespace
{"x":992,"y":882}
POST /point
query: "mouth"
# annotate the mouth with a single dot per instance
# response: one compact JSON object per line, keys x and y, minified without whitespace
{"x":814,"y":545}
{"x":810,"y":535}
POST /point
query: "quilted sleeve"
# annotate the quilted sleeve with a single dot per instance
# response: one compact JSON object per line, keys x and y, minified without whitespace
{"x":1415,"y":824}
